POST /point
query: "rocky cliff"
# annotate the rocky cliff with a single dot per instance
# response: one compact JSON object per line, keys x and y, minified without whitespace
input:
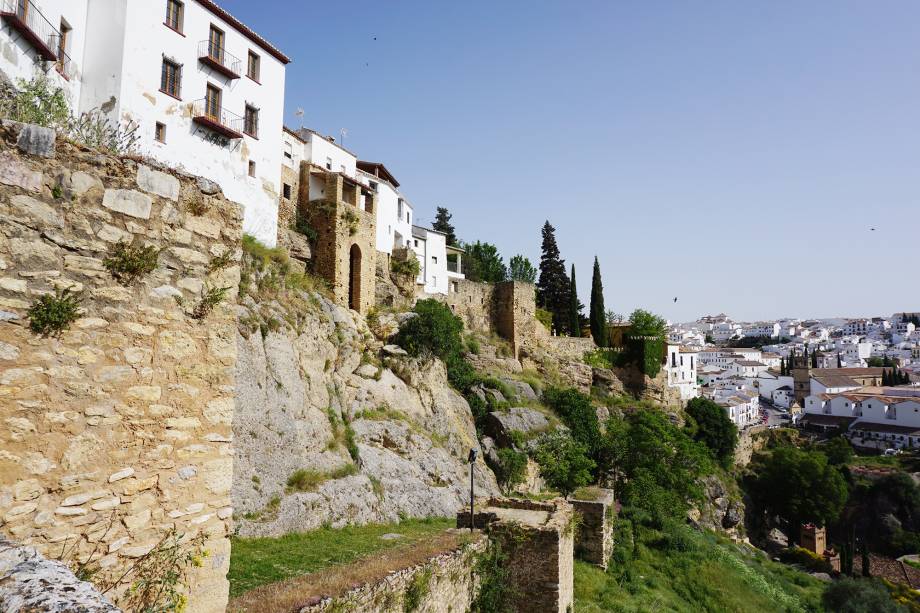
{"x":333,"y":427}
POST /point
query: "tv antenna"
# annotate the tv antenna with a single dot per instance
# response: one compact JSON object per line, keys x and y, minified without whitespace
{"x":299,"y":113}
{"x":343,"y":132}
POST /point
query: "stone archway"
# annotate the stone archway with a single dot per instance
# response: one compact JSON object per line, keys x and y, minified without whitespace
{"x":354,"y":278}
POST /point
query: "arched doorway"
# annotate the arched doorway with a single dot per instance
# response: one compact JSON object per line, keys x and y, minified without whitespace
{"x":354,"y":278}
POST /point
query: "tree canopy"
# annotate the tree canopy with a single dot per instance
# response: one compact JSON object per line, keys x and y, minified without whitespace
{"x":484,"y":263}
{"x":714,"y":429}
{"x":521,"y":269}
{"x":442,"y":224}
{"x":644,"y":323}
{"x":597,"y":313}
{"x":553,"y":284}
{"x":798,"y":486}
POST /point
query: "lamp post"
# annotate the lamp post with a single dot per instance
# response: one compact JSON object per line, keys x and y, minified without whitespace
{"x":472,"y":460}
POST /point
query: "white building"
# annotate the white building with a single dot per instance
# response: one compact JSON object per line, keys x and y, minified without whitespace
{"x":394,"y":213}
{"x":205,"y":91}
{"x":783,"y":397}
{"x":747,"y":368}
{"x":874,"y":416}
{"x":770,"y":330}
{"x":436,"y":276}
{"x":682,"y":364}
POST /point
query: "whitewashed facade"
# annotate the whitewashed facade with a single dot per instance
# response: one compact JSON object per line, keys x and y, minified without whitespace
{"x":681,"y":368}
{"x":206,"y":93}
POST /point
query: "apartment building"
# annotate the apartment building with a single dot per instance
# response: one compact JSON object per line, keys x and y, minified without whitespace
{"x":205,"y":91}
{"x":681,"y":368}
{"x":874,"y":416}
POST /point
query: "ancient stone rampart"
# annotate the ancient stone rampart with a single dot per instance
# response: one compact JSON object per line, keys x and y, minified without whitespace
{"x":118,"y":430}
{"x":443,"y":584}
{"x":594,"y":537}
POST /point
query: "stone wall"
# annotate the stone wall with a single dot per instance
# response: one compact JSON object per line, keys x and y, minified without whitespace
{"x":594,"y":538}
{"x":119,"y":429}
{"x":444,"y":584}
{"x":287,"y":207}
{"x":345,"y":252}
{"x":538,"y":538}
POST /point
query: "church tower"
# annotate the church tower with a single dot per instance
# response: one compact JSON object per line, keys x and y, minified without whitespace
{"x":801,"y":375}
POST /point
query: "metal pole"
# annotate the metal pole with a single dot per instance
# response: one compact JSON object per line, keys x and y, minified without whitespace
{"x":471,"y":497}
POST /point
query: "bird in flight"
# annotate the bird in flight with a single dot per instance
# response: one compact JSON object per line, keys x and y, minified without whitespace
{"x":872,"y":229}
{"x":675,"y":299}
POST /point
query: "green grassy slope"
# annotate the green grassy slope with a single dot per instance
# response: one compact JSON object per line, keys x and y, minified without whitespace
{"x":685,"y":570}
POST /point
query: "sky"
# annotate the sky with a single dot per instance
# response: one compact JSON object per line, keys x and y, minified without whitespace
{"x":734,"y":155}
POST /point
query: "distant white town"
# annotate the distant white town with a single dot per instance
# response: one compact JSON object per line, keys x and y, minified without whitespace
{"x":859,"y":375}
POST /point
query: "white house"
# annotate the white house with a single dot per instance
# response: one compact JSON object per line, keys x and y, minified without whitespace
{"x":875,"y":416}
{"x":747,"y":368}
{"x":205,"y":92}
{"x":681,"y":368}
{"x":783,"y":397}
{"x":394,"y":213}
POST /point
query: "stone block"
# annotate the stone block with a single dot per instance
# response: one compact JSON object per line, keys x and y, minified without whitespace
{"x":128,"y":202}
{"x":208,"y":187}
{"x":35,"y":212}
{"x":157,"y":182}
{"x":36,"y":140}
{"x":17,"y":174}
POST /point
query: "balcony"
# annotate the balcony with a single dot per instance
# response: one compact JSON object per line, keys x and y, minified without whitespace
{"x":217,"y":119}
{"x":24,"y":17}
{"x":217,"y":58}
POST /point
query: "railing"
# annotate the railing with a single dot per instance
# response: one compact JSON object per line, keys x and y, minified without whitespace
{"x":218,"y":119}
{"x":25,"y":17}
{"x":219,"y":59}
{"x":63,"y":65}
{"x":453,"y":266}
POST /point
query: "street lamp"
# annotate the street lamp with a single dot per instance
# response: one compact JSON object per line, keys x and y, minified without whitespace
{"x":472,"y":460}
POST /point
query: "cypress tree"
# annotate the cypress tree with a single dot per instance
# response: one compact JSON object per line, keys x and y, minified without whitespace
{"x":885,"y":379}
{"x":782,"y":367}
{"x":553,"y":284}
{"x":814,"y":359}
{"x":598,"y":312}
{"x":574,"y":307}
{"x":839,"y":362}
{"x":442,"y":224}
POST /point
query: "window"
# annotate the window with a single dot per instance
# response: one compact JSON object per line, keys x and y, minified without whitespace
{"x":434,"y":259}
{"x":171,"y":79}
{"x":252,"y":168}
{"x":61,"y":63}
{"x":288,"y":151}
{"x":216,"y":44}
{"x":286,"y":190}
{"x":252,"y":67}
{"x":159,"y":132}
{"x":251,"y":123}
{"x":328,"y":163}
{"x":174,"y":14}
{"x":212,"y":102}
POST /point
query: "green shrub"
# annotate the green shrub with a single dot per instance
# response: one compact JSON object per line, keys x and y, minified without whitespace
{"x":408,"y":268}
{"x":435,"y":329}
{"x":417,"y":590}
{"x":212,"y":297}
{"x":472,"y":346}
{"x":511,"y":469}
{"x":38,"y":101}
{"x":224,"y":260}
{"x":714,"y":429}
{"x":809,"y":560}
{"x":564,"y":462}
{"x":302,"y":226}
{"x":859,"y":596}
{"x":127,"y":263}
{"x":496,"y":591}
{"x":307,"y":480}
{"x":52,"y":314}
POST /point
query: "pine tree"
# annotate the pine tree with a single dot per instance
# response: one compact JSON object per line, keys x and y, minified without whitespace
{"x":597,"y":312}
{"x":553,"y":285}
{"x":520,"y":269}
{"x":575,"y":307}
{"x":442,"y":224}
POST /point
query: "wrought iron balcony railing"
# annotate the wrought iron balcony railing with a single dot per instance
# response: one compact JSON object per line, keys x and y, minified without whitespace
{"x":216,"y":57}
{"x":24,"y":17}
{"x":217,"y":119}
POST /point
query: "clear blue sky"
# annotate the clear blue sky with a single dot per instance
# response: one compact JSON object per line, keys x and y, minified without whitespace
{"x":732,"y":154}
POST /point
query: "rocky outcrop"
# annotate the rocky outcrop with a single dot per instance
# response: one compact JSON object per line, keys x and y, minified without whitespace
{"x":377,"y":434}
{"x":31,"y":583}
{"x":501,"y":425}
{"x":720,"y":510}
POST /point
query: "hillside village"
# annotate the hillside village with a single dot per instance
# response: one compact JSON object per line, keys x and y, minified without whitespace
{"x":236,"y":374}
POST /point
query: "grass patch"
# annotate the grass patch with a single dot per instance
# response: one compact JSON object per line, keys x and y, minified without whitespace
{"x":256,"y":562}
{"x":305,"y":480}
{"x":680,"y":569}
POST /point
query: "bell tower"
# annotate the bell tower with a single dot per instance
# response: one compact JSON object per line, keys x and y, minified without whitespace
{"x":801,"y":375}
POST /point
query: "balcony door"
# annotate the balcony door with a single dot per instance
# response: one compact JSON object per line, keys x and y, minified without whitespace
{"x":216,"y":44}
{"x":22,"y":9}
{"x":212,"y":103}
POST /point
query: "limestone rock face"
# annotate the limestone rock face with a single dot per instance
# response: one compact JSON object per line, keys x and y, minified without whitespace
{"x":500,"y":425}
{"x":378,"y":439}
{"x":29,"y":582}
